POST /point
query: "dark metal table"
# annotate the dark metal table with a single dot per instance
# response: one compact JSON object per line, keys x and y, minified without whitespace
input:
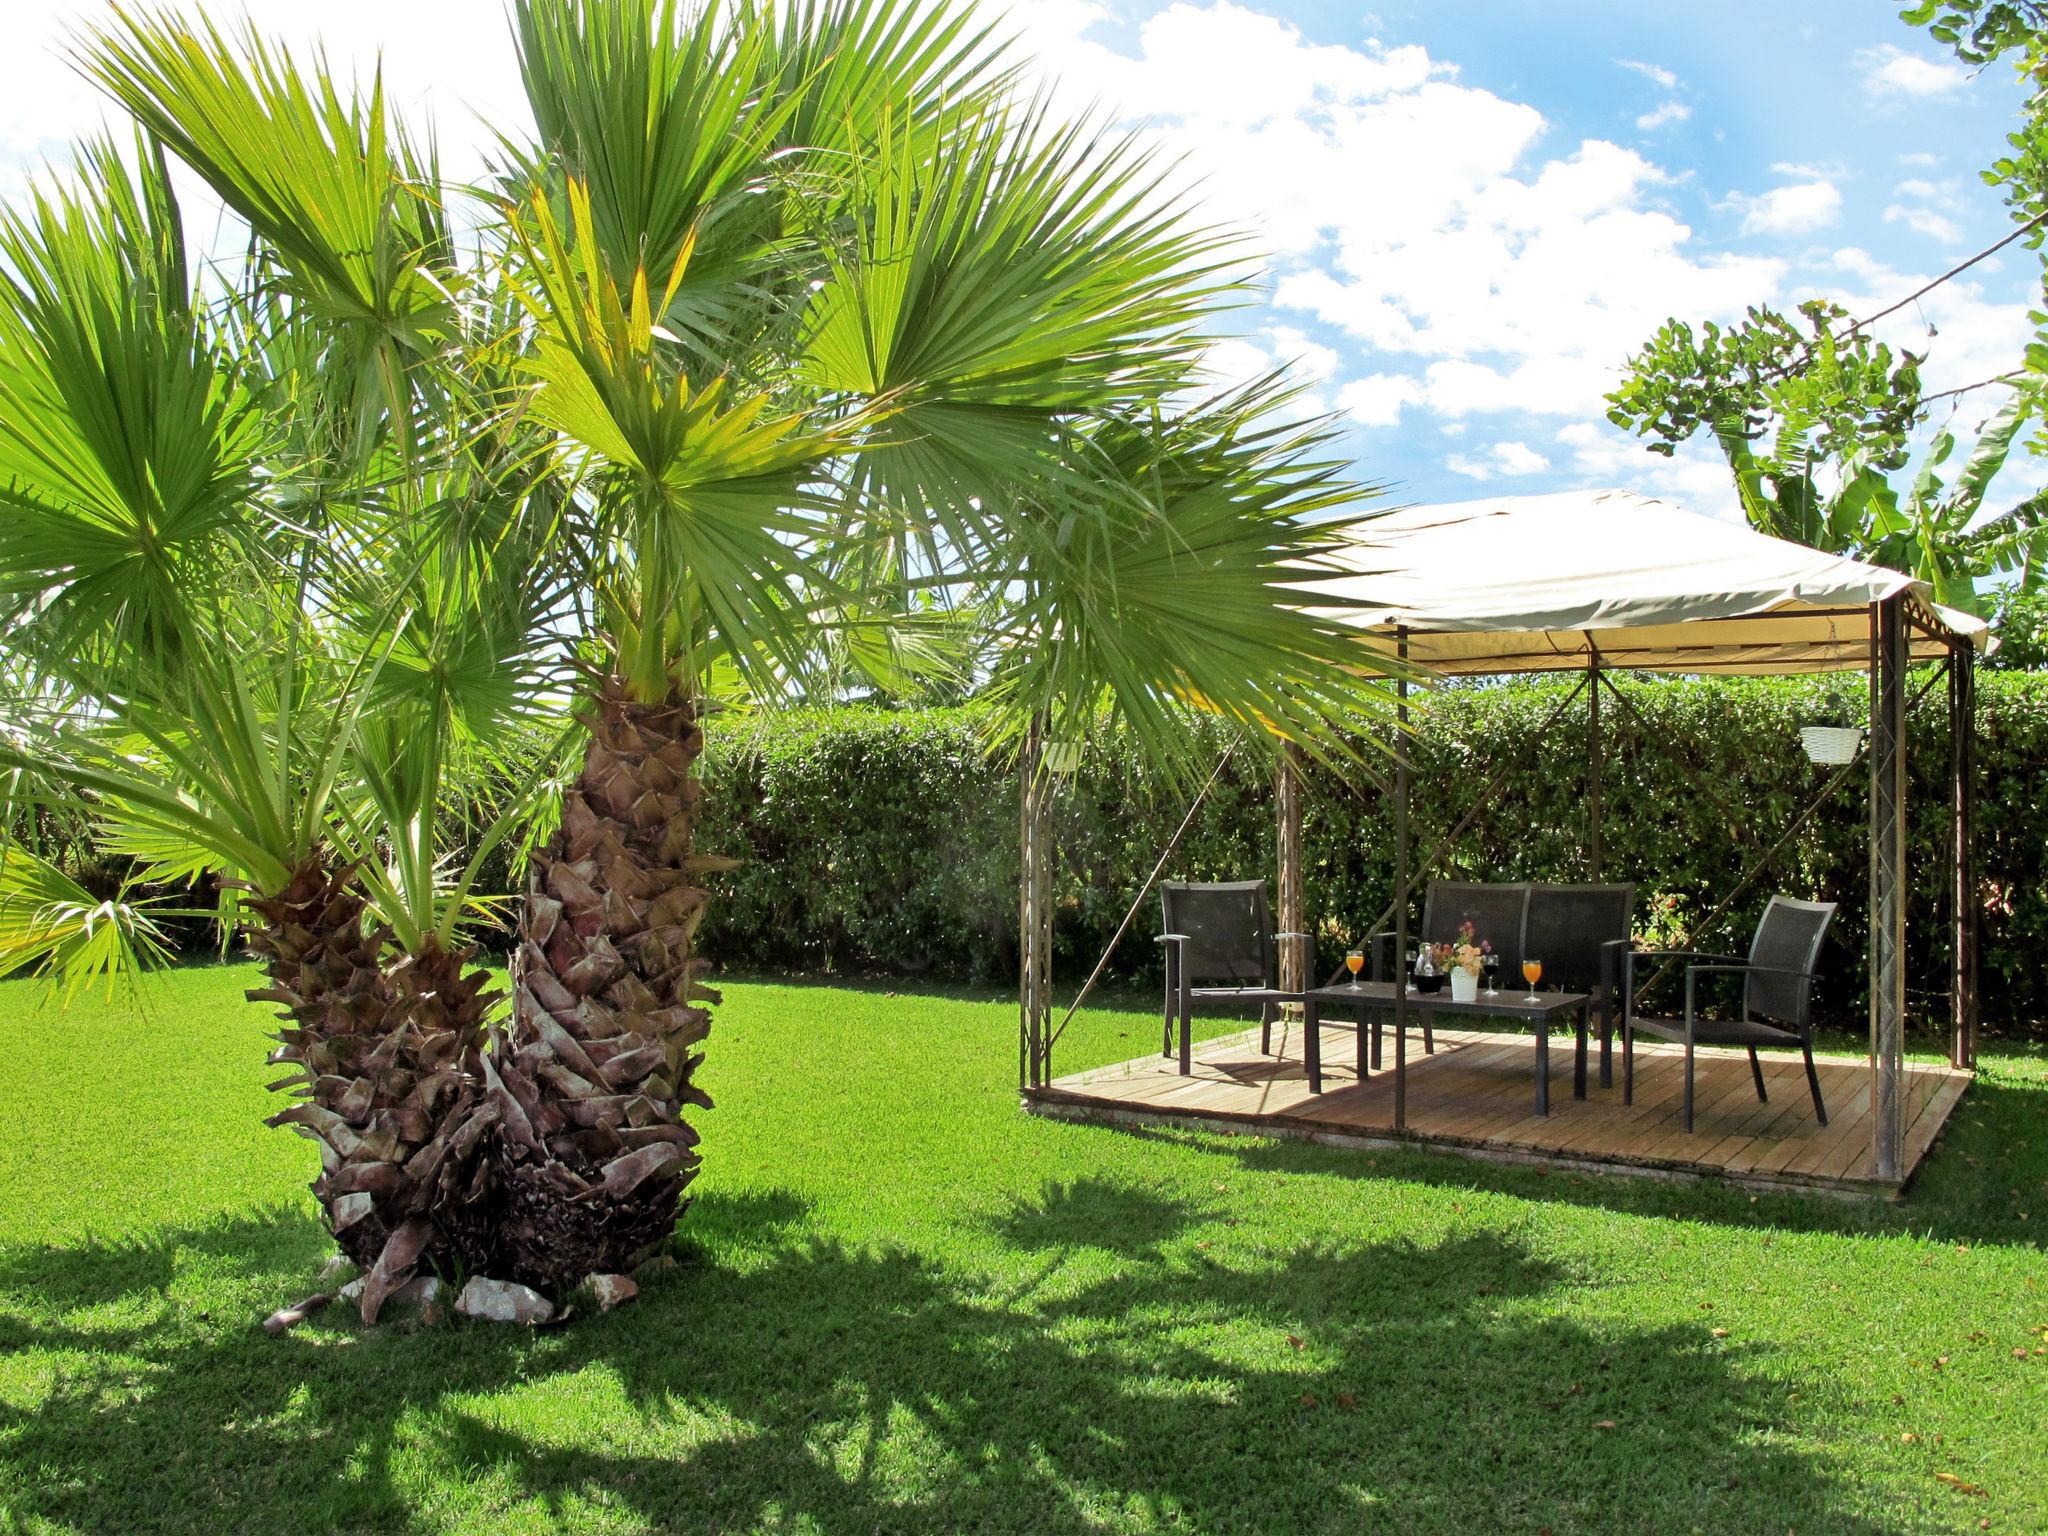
{"x":1378,"y":997}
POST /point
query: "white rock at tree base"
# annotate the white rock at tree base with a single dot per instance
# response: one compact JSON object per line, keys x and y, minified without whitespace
{"x":352,"y":1293}
{"x":502,"y":1301}
{"x":607,"y":1291}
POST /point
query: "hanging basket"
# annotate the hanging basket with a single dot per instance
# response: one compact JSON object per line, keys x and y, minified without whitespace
{"x":1831,"y":745}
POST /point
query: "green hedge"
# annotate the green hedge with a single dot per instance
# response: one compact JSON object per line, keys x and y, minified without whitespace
{"x":885,"y":841}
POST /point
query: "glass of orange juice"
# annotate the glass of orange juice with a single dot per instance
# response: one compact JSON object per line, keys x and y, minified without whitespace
{"x":1354,"y":963}
{"x":1532,"y":972}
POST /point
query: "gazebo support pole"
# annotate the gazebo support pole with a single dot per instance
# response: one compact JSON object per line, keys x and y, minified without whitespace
{"x":1887,"y":886}
{"x":1962,"y":757}
{"x":1287,"y":792}
{"x":1401,"y":887}
{"x":1594,"y":764}
{"x":1034,"y":910}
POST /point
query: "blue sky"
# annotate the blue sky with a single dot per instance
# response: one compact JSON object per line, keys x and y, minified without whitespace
{"x":1474,"y":211}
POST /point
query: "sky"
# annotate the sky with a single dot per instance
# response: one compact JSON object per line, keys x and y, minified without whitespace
{"x":1471,"y":212}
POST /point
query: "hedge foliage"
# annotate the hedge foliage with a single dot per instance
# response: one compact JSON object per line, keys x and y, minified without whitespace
{"x":885,"y":841}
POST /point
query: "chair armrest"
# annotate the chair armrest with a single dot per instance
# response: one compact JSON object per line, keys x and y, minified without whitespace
{"x":1169,"y":938}
{"x":1630,"y":956}
{"x":1742,"y":967}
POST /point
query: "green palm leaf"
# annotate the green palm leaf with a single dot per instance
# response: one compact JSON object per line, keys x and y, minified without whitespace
{"x":708,"y":495}
{"x":321,"y":175}
{"x":126,"y":445}
{"x":1171,"y":571}
{"x":53,"y":925}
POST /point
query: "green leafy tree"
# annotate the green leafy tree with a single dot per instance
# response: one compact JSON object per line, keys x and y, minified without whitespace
{"x":1816,"y":421}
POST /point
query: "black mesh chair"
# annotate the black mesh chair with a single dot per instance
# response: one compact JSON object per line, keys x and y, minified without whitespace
{"x":1496,"y":912}
{"x":1220,"y":950}
{"x":1580,"y":933}
{"x":1777,"y":997}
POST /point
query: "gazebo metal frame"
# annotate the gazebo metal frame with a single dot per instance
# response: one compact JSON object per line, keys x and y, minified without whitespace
{"x":1902,"y":628}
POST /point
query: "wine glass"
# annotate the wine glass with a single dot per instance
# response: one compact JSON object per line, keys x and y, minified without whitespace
{"x":1491,"y":965}
{"x":1354,"y":962}
{"x":1532,"y":972}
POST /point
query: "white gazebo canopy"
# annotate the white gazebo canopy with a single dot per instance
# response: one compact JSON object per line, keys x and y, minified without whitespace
{"x":1552,"y":583}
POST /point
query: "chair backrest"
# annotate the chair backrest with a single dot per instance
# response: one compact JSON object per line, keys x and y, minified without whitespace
{"x":1229,"y":931}
{"x":1568,"y":924}
{"x":1496,"y":913}
{"x":1787,"y":939}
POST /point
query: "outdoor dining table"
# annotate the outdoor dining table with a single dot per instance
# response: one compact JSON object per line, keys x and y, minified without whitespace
{"x":1377,"y":998}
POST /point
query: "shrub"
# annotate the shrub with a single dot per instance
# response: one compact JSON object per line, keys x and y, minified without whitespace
{"x":885,"y":840}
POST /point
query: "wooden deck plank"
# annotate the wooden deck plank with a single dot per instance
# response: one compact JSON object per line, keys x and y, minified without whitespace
{"x":1477,"y":1093}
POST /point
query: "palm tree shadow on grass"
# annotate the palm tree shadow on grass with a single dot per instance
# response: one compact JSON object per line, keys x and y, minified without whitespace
{"x":781,"y":1378}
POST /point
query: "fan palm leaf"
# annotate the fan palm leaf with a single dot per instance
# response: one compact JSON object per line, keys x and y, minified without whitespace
{"x":52,"y":925}
{"x":126,"y":444}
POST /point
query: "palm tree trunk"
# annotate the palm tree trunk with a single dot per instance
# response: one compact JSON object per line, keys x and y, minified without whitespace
{"x":592,"y":1151}
{"x":389,"y":1076}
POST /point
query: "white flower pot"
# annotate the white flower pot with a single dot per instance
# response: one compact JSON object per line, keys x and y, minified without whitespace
{"x":1831,"y":744}
{"x":1464,"y":985}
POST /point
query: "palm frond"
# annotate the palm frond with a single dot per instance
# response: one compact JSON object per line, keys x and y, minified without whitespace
{"x":1174,"y":570}
{"x":1001,"y":271}
{"x":322,"y":175}
{"x":709,"y":488}
{"x":126,"y":444}
{"x":52,"y":925}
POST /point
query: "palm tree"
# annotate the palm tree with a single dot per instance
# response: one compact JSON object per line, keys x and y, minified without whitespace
{"x":790,"y":318}
{"x":181,"y":528}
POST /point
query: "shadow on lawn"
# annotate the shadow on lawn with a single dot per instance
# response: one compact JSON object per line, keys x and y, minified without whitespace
{"x":780,"y":1379}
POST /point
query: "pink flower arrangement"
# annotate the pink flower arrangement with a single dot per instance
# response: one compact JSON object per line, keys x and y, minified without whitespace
{"x":1467,"y":952}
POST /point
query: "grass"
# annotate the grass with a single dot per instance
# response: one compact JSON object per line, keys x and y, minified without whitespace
{"x":905,"y":1306}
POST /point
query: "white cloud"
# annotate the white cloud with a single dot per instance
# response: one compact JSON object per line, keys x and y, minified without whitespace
{"x":1924,"y":221}
{"x":1809,"y":170}
{"x":1890,"y":71}
{"x":1921,"y":158}
{"x":1601,"y":456}
{"x":451,"y":61}
{"x":1656,"y":74}
{"x":1975,"y":337}
{"x":1670,"y":112}
{"x":1377,"y":400}
{"x":1510,"y":459}
{"x":1409,"y":210}
{"x":1519,"y":459}
{"x":1920,"y":204}
{"x":1795,"y":209}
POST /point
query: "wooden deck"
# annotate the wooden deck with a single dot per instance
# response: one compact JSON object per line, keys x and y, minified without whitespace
{"x":1476,"y":1095}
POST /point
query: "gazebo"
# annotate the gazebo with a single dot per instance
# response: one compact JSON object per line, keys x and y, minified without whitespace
{"x":1593,"y":583}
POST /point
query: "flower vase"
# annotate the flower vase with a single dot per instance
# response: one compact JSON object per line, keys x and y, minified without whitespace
{"x":1464,"y":985}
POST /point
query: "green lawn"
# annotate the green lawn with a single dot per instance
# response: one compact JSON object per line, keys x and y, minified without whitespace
{"x":903,"y":1305}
